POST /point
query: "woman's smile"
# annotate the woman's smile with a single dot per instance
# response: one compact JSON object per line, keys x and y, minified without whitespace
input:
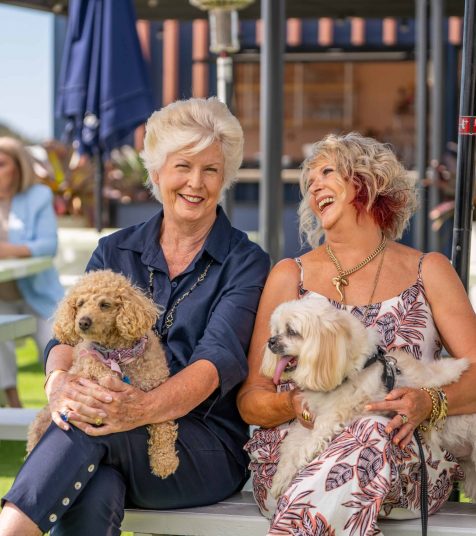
{"x":192,"y":199}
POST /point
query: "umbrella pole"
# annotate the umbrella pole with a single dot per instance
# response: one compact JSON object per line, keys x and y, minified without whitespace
{"x":225,"y":93}
{"x":466,"y":148}
{"x":98,"y":188}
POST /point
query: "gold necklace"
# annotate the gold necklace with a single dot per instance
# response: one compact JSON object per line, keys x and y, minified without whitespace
{"x":341,"y":280}
{"x":377,"y":277}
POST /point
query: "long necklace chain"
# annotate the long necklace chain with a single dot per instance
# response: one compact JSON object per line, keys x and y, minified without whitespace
{"x":341,"y":280}
{"x":377,"y":277}
{"x":169,"y":315}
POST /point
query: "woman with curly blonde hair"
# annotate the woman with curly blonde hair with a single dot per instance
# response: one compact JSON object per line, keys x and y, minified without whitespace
{"x":357,"y":200}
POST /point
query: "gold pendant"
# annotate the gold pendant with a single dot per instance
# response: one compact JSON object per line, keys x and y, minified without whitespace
{"x":338,"y":282}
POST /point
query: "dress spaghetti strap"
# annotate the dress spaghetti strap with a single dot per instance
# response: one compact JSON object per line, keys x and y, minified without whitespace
{"x":420,"y":264}
{"x":301,"y":290}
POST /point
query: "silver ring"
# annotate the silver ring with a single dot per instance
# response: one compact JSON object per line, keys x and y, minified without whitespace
{"x":404,"y":418}
{"x":64,"y":414}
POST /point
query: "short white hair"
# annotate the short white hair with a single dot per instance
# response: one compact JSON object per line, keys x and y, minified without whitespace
{"x":194,"y":125}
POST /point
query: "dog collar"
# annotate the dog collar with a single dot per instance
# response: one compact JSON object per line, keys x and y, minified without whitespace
{"x":390,"y":369}
{"x":115,"y":357}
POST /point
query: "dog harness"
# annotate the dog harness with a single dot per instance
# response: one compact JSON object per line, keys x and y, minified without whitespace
{"x":389,"y":364}
{"x":114,"y":358}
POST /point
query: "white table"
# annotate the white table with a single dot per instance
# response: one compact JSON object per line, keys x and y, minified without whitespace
{"x":16,"y":268}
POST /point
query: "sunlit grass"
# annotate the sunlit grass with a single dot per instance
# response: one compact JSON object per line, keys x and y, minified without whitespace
{"x":30,"y":388}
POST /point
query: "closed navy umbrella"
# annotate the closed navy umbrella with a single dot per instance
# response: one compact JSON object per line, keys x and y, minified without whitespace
{"x":104,"y":90}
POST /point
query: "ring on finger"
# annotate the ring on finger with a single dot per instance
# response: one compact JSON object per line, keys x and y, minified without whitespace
{"x":64,"y":414}
{"x":404,"y":418}
{"x":98,"y":421}
{"x":306,"y":415}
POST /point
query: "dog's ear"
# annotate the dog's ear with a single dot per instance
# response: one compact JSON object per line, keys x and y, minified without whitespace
{"x":268,"y":365}
{"x":137,"y":313}
{"x":64,"y":320}
{"x":323,"y":357}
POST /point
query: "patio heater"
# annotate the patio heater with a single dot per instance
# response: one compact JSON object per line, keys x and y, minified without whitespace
{"x":224,"y":30}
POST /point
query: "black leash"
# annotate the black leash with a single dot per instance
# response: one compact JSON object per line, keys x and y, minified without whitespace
{"x":423,"y":485}
{"x":390,"y":371}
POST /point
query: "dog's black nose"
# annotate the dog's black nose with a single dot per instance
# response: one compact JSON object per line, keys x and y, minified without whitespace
{"x":85,"y":323}
{"x":272,"y":342}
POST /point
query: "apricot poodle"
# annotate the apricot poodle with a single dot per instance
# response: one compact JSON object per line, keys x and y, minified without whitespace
{"x":109,"y":321}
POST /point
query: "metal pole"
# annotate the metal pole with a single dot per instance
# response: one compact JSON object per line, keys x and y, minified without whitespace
{"x":271,"y":127}
{"x":98,"y":189}
{"x":437,"y":117}
{"x":225,"y":93}
{"x":420,"y":222}
{"x":465,"y":167}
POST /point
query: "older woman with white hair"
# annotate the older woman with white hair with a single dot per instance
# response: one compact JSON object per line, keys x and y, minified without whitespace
{"x":208,"y":278}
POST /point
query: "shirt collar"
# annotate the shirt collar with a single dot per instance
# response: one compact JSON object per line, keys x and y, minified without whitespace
{"x":144,"y":239}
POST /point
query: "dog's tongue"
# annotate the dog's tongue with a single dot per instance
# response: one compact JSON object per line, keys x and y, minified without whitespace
{"x":280,"y":368}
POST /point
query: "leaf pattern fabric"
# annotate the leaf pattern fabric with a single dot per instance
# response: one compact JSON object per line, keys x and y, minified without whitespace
{"x":362,"y":474}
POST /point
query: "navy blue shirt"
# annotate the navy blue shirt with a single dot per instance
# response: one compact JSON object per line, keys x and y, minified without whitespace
{"x":214,"y":322}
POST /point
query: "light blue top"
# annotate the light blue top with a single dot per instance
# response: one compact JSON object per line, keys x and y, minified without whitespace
{"x":32,"y":222}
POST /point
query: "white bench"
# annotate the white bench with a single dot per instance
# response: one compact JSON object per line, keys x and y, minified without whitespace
{"x":16,"y":326}
{"x":239,"y":515}
{"x":14,"y":423}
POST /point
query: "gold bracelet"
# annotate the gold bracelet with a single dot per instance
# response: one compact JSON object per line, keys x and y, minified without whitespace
{"x":439,"y":409}
{"x":443,"y":414}
{"x":50,"y":373}
{"x":435,"y":409}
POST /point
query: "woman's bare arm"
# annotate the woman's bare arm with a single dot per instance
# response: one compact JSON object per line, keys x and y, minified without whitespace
{"x":258,"y":402}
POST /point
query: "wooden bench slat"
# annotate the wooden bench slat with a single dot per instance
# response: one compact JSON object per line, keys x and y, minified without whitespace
{"x":16,"y":326}
{"x":239,"y":516}
{"x":14,"y":423}
{"x":236,"y":516}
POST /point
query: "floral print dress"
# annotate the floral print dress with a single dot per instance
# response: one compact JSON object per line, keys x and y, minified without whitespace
{"x":362,"y":474}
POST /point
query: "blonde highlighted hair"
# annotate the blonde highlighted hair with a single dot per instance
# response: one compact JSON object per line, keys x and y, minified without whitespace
{"x":194,"y":125}
{"x":384,"y":188}
{"x":23,"y":161}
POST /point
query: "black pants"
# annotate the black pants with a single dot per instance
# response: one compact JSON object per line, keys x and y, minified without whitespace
{"x":75,"y":484}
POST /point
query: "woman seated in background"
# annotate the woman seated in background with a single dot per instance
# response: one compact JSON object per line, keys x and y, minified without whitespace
{"x":27,"y":229}
{"x":359,"y":198}
{"x":207,"y":277}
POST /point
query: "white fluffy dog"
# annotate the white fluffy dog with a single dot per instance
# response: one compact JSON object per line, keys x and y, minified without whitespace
{"x":324,"y":351}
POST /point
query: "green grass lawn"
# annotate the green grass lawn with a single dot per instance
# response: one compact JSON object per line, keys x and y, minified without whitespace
{"x":30,"y":386}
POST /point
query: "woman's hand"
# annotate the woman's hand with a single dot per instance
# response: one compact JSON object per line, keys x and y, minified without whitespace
{"x":124,"y":406}
{"x":301,"y":409}
{"x":66,"y":397}
{"x":412,"y":407}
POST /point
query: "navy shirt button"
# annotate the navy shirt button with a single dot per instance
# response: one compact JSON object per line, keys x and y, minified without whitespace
{"x":174,"y":284}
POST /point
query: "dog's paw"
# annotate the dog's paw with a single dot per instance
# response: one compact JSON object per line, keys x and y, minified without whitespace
{"x":280,"y":484}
